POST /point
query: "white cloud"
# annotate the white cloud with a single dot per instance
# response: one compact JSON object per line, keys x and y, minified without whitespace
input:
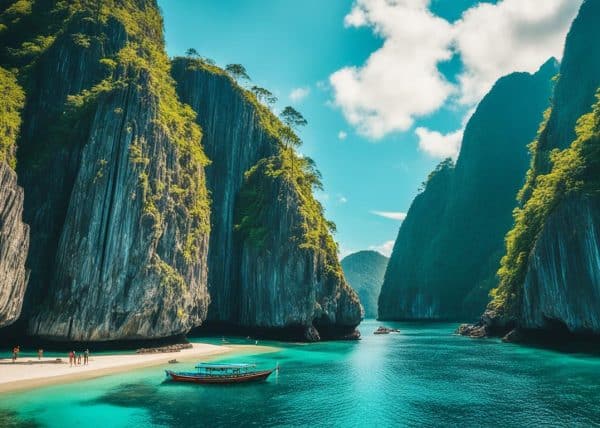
{"x":439,"y":145}
{"x":400,"y":82}
{"x":400,"y":216}
{"x":342,"y":199}
{"x":342,"y":135}
{"x":513,"y":35}
{"x":298,"y":94}
{"x":385,"y":248}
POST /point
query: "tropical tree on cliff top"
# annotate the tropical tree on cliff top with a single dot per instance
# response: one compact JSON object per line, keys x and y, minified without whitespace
{"x":237,"y":71}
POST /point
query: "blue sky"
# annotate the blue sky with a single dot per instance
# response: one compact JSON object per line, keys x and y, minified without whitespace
{"x":374,"y":149}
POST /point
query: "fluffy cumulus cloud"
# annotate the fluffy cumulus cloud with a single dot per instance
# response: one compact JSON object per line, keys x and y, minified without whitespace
{"x":385,"y":248}
{"x":400,"y":216}
{"x":512,"y":35}
{"x":298,"y":94}
{"x":401,"y":82}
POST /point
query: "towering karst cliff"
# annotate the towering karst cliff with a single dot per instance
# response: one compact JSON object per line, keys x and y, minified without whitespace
{"x":364,"y":271}
{"x":448,"y":249}
{"x":14,"y":234}
{"x":550,"y":275}
{"x":112,"y":168}
{"x":272,"y":260}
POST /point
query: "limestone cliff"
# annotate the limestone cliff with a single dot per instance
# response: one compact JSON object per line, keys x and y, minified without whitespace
{"x":14,"y":234}
{"x":550,"y":273}
{"x":449,"y":246}
{"x":264,"y":271}
{"x":112,"y":168}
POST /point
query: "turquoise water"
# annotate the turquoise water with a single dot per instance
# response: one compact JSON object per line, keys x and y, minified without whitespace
{"x":424,"y":376}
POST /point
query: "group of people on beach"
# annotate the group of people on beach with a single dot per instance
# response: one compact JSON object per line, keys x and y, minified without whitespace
{"x":75,"y":358}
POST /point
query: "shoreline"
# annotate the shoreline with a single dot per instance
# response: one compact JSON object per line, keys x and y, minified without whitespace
{"x":23,"y":375}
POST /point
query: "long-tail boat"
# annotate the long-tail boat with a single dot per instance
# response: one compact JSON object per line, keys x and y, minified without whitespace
{"x":221,"y":374}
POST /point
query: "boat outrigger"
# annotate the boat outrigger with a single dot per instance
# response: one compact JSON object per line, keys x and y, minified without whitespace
{"x":221,"y":374}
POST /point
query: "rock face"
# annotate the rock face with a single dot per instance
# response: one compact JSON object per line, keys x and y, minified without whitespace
{"x":234,"y":141}
{"x":114,"y":187}
{"x":276,"y":282}
{"x":14,"y":242}
{"x":364,"y":271}
{"x":112,"y":168}
{"x":562,"y":283}
{"x":14,"y":234}
{"x":550,"y":274}
{"x":448,"y":249}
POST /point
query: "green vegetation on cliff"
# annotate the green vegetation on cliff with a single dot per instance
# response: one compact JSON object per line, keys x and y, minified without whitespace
{"x":10,"y":116}
{"x":297,"y":178}
{"x":449,"y":247}
{"x":574,"y":170}
{"x":564,"y":163}
{"x":33,"y":27}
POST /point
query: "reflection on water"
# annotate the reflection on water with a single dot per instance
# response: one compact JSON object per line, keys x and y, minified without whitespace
{"x":422,"y":376}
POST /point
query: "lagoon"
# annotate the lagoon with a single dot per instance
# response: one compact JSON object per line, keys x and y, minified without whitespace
{"x":423,"y":376}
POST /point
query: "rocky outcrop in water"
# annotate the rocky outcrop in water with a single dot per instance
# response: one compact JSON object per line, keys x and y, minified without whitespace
{"x":550,"y":274}
{"x":449,"y":246}
{"x":275,"y":281}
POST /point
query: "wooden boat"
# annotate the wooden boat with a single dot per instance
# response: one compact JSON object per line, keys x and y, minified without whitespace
{"x":221,"y":374}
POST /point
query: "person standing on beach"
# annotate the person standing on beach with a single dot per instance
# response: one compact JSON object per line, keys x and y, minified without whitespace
{"x":79,"y":359}
{"x":40,"y":354}
{"x":71,"y":358}
{"x":86,"y":357}
{"x":15,"y":354}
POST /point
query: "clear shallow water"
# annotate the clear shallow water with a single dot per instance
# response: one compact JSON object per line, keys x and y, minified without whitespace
{"x":424,"y":376}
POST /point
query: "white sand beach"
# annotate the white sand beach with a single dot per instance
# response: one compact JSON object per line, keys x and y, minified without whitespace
{"x":32,"y":373}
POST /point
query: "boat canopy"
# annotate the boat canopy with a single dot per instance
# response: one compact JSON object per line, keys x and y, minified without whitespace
{"x":207,"y":366}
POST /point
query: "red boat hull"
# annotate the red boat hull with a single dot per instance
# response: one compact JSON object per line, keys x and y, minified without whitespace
{"x":241,"y":378}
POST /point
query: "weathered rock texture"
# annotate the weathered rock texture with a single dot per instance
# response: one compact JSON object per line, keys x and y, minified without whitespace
{"x":234,"y":140}
{"x":14,"y":234}
{"x":550,"y":274}
{"x":112,"y":168}
{"x":563,"y":276}
{"x":14,"y":242}
{"x":279,"y":284}
{"x":449,"y":247}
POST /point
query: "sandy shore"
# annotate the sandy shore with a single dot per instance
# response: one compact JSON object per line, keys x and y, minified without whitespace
{"x":30,"y":373}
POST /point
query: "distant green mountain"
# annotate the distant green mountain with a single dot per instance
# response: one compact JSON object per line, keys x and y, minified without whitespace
{"x":364,"y":271}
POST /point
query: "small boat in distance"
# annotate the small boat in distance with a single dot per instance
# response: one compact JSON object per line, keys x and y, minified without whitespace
{"x":221,"y":374}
